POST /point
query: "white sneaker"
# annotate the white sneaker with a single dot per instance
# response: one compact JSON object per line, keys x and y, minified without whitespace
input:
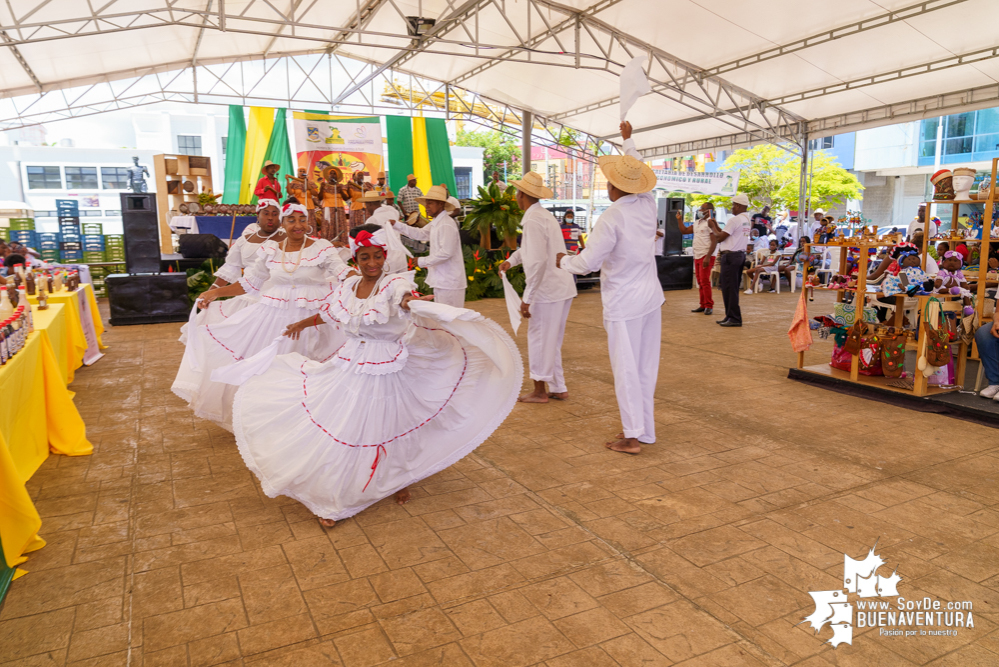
{"x":990,"y":391}
{"x":749,"y":291}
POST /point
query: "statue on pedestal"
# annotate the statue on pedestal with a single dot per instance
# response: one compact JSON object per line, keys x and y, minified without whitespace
{"x":137,"y":176}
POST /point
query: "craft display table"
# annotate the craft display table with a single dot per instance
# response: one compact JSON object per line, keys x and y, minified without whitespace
{"x":37,"y":415}
{"x":82,"y":343}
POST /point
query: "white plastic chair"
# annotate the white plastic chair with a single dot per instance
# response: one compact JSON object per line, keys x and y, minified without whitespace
{"x":826,"y":259}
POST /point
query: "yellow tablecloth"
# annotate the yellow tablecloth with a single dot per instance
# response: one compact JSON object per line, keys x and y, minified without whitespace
{"x":53,"y":323}
{"x":37,"y":415}
{"x":75,"y":341}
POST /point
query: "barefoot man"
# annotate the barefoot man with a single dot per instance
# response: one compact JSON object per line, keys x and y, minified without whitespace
{"x":549,"y":292}
{"x":622,"y":247}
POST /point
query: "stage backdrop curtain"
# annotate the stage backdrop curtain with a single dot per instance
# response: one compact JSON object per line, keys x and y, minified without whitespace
{"x":400,"y":150}
{"x":279,"y":150}
{"x":258,"y":133}
{"x":235,"y":143}
{"x":439,"y":149}
{"x":421,"y":155}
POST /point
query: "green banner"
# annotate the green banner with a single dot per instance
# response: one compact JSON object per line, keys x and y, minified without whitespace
{"x":441,"y":166}
{"x":400,"y":150}
{"x":279,"y":150}
{"x":234,"y":145}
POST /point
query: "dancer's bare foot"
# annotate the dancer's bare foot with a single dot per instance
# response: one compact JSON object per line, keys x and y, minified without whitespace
{"x":402,"y":497}
{"x":327,"y":523}
{"x":561,"y":396}
{"x":539,"y":395}
{"x":625,"y":445}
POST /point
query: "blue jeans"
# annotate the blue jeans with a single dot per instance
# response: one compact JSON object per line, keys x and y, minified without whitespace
{"x":988,"y":352}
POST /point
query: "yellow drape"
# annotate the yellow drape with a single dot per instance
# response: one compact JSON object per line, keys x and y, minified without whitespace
{"x":37,"y":415}
{"x":421,"y":156}
{"x":258,"y":133}
{"x":74,"y":340}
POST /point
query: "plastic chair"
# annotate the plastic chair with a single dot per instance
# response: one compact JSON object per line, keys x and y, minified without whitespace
{"x":826,"y":260}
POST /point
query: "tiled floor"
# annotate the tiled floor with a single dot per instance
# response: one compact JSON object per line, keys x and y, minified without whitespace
{"x":541,"y":548}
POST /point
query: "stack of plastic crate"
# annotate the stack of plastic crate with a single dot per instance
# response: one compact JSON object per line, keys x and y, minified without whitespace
{"x":70,"y":237}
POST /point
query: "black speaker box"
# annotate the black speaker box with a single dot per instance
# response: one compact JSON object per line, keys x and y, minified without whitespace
{"x":670,"y":216}
{"x":205,"y":246}
{"x":676,"y":272}
{"x":142,"y":232}
{"x":150,"y":298}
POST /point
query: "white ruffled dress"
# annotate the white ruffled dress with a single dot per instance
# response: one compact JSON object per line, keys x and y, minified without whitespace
{"x":285,"y":295}
{"x":241,"y":255}
{"x":407,"y":395}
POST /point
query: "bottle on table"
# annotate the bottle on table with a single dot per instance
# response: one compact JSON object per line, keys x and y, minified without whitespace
{"x":29,"y":281}
{"x":4,"y":353}
{"x":6,"y":307}
{"x":43,"y":296}
{"x":22,"y":300}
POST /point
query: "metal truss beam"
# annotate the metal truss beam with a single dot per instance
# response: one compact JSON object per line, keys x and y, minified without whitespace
{"x":20,"y":58}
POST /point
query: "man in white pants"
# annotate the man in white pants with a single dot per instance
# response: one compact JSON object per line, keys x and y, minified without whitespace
{"x":549,"y":291}
{"x":445,"y":264}
{"x":622,"y":247}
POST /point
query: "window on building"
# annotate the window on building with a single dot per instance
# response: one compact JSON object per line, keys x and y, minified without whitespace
{"x":463,"y":182}
{"x":110,"y":213}
{"x":46,"y":214}
{"x":114,"y":178}
{"x":90,"y":213}
{"x":967,"y":137}
{"x":820,"y":144}
{"x":188,"y":145}
{"x":44,"y":178}
{"x":81,"y":178}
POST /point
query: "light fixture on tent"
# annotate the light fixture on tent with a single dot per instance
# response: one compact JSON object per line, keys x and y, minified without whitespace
{"x":419,"y":26}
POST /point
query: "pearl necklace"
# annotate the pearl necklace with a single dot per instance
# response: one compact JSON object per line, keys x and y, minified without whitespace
{"x":301,"y":251}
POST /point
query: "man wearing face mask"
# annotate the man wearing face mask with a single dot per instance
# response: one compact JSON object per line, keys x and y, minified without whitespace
{"x":705,"y":251}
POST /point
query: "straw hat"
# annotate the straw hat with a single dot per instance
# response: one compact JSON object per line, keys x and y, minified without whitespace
{"x":268,"y":163}
{"x":381,"y":174}
{"x":387,"y":194}
{"x":533,"y":185}
{"x":435,"y":193}
{"x":335,"y":171}
{"x":452,"y":204}
{"x":627,"y":173}
{"x":371,"y":197}
{"x":411,"y":177}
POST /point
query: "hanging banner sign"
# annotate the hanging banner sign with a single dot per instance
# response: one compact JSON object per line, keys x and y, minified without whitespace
{"x":347,"y":143}
{"x":93,"y":352}
{"x":721,"y":183}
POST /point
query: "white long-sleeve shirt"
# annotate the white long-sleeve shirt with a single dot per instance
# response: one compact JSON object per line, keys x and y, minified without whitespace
{"x":622,"y":247}
{"x":445,"y":264}
{"x":542,"y":240}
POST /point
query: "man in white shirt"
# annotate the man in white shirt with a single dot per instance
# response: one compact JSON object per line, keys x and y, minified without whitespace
{"x":445,"y":264}
{"x":732,"y":242}
{"x":549,"y":291}
{"x":816,"y":225}
{"x":918,"y":224}
{"x":705,"y":251}
{"x":622,"y":247}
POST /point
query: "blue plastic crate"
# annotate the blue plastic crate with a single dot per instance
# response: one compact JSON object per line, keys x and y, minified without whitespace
{"x":48,"y":245}
{"x":71,"y":256}
{"x":23,"y":236}
{"x":67,"y":205}
{"x":48,"y":236}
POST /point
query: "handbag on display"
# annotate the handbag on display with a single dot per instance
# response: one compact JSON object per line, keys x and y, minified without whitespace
{"x":855,"y":337}
{"x":869,"y":357}
{"x":893,"y":352}
{"x":845,"y":314}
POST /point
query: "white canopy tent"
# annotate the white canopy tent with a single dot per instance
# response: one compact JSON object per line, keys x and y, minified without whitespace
{"x":724,"y":74}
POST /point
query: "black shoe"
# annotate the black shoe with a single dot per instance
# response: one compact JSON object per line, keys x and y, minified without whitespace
{"x":730,"y":323}
{"x":721,"y":321}
{"x":698,"y":310}
{"x":707,"y":311}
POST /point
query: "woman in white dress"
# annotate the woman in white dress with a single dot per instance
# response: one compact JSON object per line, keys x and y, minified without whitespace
{"x":291,"y":278}
{"x":241,"y":255}
{"x":416,"y":387}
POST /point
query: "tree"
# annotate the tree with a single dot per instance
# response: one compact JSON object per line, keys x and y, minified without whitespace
{"x":771,"y":176}
{"x":499,"y":148}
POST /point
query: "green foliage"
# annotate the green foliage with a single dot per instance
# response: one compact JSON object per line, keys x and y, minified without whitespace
{"x":499,"y":148}
{"x":482,"y":273}
{"x":771,"y":176}
{"x":497,"y":209}
{"x":200,"y":279}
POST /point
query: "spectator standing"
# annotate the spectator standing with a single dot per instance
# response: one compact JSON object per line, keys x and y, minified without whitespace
{"x":407,"y":197}
{"x":814,"y":230}
{"x":732,"y":243}
{"x":572,"y":233}
{"x":762,"y":222}
{"x":705,"y":251}
{"x":918,"y":224}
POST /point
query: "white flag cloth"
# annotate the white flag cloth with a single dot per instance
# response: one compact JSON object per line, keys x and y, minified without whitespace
{"x":512,"y":303}
{"x":634,"y":84}
{"x":241,"y":371}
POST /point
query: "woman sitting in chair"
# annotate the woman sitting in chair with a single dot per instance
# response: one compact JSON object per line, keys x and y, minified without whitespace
{"x":767,"y":265}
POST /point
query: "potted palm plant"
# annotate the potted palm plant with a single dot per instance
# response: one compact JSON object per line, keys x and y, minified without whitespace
{"x":497,"y":209}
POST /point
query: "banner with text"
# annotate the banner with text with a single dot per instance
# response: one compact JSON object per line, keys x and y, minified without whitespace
{"x":719,"y":183}
{"x":348,"y":143}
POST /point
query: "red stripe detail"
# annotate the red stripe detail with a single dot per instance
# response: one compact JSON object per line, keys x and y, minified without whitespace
{"x":208,"y":328}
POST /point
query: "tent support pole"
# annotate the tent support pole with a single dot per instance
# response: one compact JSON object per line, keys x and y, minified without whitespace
{"x":802,"y":181}
{"x":526,"y":126}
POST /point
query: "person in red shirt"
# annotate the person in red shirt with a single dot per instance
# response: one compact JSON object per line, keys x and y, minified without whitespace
{"x":268,"y":187}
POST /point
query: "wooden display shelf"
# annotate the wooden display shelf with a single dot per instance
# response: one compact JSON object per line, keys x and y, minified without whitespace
{"x":172,"y":171}
{"x":879,"y":381}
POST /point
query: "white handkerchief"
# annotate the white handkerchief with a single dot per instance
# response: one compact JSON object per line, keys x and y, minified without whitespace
{"x":634,"y":84}
{"x":512,"y":303}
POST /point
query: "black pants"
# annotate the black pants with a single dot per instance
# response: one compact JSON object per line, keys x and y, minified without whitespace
{"x":730,"y":281}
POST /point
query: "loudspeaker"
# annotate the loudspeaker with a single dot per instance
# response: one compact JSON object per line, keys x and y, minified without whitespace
{"x":142,"y":232}
{"x":149,"y":298}
{"x":676,"y":272}
{"x":204,"y":246}
{"x":670,"y":216}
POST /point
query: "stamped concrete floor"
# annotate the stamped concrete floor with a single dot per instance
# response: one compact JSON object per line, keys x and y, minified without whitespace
{"x":542,"y":548}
